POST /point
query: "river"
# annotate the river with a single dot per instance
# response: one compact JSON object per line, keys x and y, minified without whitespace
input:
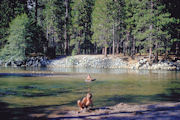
{"x":32,"y":90}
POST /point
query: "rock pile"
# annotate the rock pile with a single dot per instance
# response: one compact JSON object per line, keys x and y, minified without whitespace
{"x":165,"y":65}
{"x":83,"y":61}
{"x":89,"y":62}
{"x":92,"y":61}
{"x":39,"y":61}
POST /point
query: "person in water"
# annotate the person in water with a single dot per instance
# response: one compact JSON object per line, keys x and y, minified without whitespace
{"x":89,"y":79}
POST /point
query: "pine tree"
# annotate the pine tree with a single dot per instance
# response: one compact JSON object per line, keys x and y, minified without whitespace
{"x":173,"y":6}
{"x":51,"y":23}
{"x":15,"y":49}
{"x":8,"y":11}
{"x":129,"y":40}
{"x":117,"y":11}
{"x":77,"y":38}
{"x":56,"y":23}
{"x":102,"y":25}
{"x":81,"y":25}
{"x":36,"y":41}
{"x":151,"y":26}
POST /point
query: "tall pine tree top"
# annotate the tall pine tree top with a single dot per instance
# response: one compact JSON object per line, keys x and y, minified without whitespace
{"x":15,"y":49}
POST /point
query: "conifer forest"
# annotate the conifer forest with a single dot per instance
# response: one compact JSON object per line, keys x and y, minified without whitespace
{"x":72,"y":27}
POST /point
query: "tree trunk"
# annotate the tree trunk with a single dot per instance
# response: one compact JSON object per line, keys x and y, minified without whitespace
{"x":65,"y":29}
{"x":156,"y":54}
{"x":36,"y":11}
{"x":177,"y":45}
{"x":127,"y":40}
{"x":156,"y":57}
{"x":150,"y":54}
{"x":85,"y":38}
{"x":124,"y":48}
{"x":105,"y":51}
{"x":47,"y":38}
{"x":96,"y":50}
{"x":117,"y":47}
{"x":110,"y":50}
{"x":118,"y":41}
{"x":177,"y":48}
{"x":113,"y":51}
{"x":79,"y":49}
{"x":133,"y":52}
{"x":150,"y":39}
{"x":126,"y":43}
{"x":166,"y":55}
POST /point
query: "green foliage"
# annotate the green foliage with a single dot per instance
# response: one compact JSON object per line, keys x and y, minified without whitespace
{"x":152,"y":26}
{"x":102,"y":23}
{"x":35,"y":38}
{"x":8,"y":11}
{"x":86,"y":26}
{"x":53,"y":21}
{"x":74,"y":52}
{"x":81,"y":24}
{"x":15,"y":48}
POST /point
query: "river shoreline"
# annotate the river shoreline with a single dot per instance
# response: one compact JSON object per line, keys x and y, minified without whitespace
{"x":95,"y":61}
{"x":118,"y":62}
{"x":121,"y":111}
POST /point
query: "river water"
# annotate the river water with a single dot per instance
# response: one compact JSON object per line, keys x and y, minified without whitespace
{"x":31,"y":88}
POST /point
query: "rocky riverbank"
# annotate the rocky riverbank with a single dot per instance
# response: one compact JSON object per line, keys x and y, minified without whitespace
{"x":39,"y":61}
{"x":99,"y":61}
{"x":88,"y":61}
{"x":93,"y":61}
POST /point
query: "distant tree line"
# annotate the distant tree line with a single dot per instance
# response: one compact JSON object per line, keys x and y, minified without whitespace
{"x":70,"y":27}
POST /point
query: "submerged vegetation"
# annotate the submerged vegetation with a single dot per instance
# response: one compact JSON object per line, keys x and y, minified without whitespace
{"x":53,"y":94}
{"x":66,"y":89}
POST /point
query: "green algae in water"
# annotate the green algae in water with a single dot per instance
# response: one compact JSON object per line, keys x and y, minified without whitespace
{"x":108,"y":89}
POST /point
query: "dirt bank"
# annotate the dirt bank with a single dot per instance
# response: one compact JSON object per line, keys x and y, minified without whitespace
{"x":122,"y":111}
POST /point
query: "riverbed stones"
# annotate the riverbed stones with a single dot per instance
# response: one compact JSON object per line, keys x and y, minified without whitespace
{"x":29,"y":62}
{"x":91,"y":61}
{"x":88,"y":61}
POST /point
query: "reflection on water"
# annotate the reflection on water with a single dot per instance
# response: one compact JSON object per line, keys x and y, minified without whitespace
{"x":85,"y":70}
{"x":98,"y":70}
{"x":38,"y":87}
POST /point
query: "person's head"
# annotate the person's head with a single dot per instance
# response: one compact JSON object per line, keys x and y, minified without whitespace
{"x":89,"y":95}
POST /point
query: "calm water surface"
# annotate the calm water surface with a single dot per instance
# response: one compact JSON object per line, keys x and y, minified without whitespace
{"x":31,"y":88}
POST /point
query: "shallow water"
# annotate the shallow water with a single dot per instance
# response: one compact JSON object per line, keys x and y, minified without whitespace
{"x":31,"y":88}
